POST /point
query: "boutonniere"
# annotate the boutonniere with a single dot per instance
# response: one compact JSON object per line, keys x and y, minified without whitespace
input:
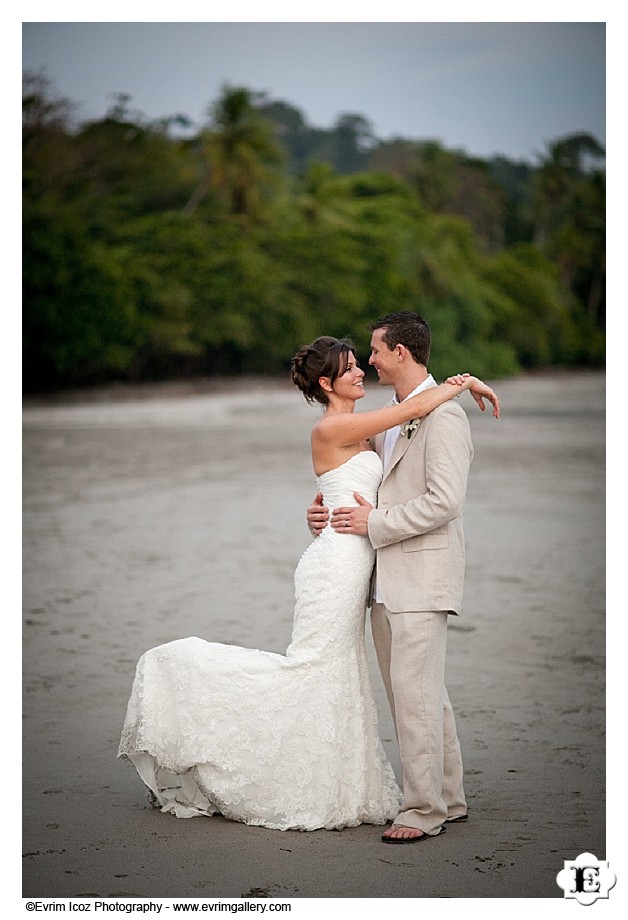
{"x":408,"y":428}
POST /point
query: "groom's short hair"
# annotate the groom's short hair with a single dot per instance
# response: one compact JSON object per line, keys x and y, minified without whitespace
{"x":409,"y":329}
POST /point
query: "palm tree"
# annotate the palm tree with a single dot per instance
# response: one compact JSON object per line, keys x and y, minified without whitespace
{"x":564,"y":165}
{"x":241,"y":155}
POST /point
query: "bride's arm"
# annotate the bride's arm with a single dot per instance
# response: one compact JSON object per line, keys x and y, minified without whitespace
{"x":350,"y":428}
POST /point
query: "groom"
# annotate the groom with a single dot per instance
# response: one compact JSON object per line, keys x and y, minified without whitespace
{"x":417,"y":533}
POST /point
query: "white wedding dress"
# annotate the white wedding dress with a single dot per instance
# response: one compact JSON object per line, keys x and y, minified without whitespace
{"x":287,"y":742}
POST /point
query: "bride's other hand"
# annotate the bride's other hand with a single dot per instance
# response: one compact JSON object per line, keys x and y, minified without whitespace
{"x":317,"y":516}
{"x":481,"y":391}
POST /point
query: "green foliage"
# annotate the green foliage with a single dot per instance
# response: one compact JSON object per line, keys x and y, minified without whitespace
{"x":148,"y":255}
{"x":538,"y":319}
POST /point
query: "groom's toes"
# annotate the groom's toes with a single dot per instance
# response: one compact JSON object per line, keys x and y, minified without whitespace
{"x":399,"y":831}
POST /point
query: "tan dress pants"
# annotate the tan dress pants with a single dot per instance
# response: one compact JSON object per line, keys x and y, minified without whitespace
{"x":411,"y":649}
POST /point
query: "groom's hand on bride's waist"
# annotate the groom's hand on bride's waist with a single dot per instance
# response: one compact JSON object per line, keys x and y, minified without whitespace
{"x":317,"y":515}
{"x":352,"y":520}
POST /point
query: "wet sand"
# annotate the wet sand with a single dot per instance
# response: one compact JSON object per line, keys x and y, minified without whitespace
{"x":170,"y":513}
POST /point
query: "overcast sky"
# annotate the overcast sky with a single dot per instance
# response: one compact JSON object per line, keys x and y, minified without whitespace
{"x":484,"y":87}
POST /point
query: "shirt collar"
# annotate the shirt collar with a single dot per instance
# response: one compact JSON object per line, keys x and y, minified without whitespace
{"x":428,"y":382}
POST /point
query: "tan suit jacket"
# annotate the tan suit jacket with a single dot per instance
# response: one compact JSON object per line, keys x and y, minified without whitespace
{"x":416,"y":528}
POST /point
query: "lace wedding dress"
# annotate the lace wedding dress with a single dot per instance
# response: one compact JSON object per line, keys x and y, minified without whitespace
{"x":286,"y":742}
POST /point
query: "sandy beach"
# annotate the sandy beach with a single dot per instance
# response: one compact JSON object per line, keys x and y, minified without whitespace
{"x":169,"y":512}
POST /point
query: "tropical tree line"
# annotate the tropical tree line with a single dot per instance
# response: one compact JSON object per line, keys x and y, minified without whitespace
{"x":152,"y":250}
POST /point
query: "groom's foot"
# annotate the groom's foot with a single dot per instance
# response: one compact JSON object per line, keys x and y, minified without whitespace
{"x":400,"y":833}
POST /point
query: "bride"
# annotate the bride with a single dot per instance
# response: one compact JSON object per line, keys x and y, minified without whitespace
{"x":287,"y":741}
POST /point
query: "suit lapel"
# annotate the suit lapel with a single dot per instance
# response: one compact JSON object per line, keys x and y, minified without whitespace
{"x":402,"y":443}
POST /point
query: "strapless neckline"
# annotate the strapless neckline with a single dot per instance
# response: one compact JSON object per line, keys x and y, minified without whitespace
{"x":360,"y":453}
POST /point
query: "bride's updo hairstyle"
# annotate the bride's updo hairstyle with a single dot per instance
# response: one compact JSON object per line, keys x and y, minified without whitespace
{"x":325,"y":357}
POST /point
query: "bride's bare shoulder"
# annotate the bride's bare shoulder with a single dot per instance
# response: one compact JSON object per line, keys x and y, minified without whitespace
{"x":330,"y":423}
